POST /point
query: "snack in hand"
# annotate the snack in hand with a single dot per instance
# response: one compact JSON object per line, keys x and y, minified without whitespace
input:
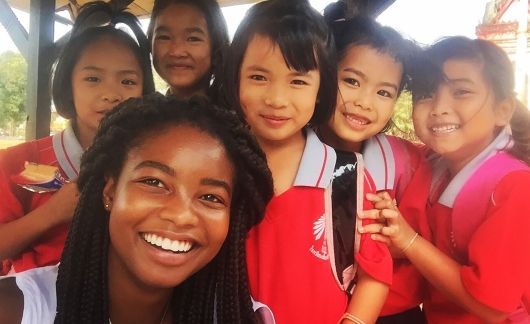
{"x":39,"y":178}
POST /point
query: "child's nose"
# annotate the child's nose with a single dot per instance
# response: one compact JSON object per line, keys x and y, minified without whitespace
{"x":362,"y":100}
{"x":112,"y":96}
{"x":276,"y":97}
{"x":178,"y":48}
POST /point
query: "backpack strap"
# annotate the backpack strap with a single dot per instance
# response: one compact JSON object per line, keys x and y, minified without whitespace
{"x":472,"y":202}
{"x":343,"y":202}
{"x":388,"y":163}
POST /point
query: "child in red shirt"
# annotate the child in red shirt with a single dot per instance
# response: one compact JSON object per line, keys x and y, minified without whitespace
{"x":466,"y":113}
{"x":372,"y":72}
{"x":98,"y":68}
{"x":281,"y":76}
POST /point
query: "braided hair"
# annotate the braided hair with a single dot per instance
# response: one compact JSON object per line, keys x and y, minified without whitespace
{"x":221,"y":286}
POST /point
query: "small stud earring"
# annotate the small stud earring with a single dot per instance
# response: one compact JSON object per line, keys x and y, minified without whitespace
{"x":107,"y":206}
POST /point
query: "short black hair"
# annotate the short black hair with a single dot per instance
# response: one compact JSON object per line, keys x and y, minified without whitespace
{"x":221,"y":287}
{"x":216,"y":28}
{"x":497,"y":69}
{"x":84,"y":33}
{"x":364,"y":30}
{"x":304,"y":40}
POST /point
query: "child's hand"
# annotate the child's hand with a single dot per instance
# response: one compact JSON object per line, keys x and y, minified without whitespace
{"x":64,"y":202}
{"x":390,"y":226}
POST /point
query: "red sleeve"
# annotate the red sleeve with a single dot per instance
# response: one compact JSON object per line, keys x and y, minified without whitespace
{"x":11,"y":207}
{"x":374,"y":257}
{"x":413,"y":187}
{"x":11,"y":162}
{"x":498,"y":274}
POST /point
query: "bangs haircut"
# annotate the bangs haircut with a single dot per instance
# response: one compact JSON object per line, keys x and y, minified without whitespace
{"x":497,"y":69}
{"x":425,"y":76}
{"x":304,"y":40}
{"x":62,"y":92}
{"x":361,"y":30}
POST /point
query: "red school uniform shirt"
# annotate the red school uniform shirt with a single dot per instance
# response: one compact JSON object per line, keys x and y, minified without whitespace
{"x":62,"y":150}
{"x":400,"y":168}
{"x":288,"y":259}
{"x":495,"y":265}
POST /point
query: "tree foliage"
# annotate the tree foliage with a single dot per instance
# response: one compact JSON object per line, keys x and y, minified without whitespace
{"x":402,"y":119}
{"x":13,"y":71}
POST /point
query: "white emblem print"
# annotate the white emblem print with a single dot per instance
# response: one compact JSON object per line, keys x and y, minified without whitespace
{"x":318,"y":228}
{"x":320,"y":247}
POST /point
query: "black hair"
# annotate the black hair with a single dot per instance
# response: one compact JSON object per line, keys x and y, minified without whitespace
{"x":216,"y":28}
{"x":497,"y":71}
{"x":364,"y":30}
{"x":91,"y":25}
{"x":221,"y":286}
{"x":304,"y":40}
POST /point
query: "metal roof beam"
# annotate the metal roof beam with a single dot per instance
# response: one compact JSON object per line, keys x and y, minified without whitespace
{"x":14,"y":28}
{"x":40,"y":54}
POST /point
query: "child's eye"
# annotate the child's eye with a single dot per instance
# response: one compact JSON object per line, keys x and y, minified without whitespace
{"x":423,"y":97}
{"x":194,"y":39}
{"x":162,"y":37}
{"x":299,"y":82}
{"x":129,"y":82}
{"x":92,"y":79}
{"x":351,"y":81}
{"x":385,"y":93}
{"x":257,"y":77}
{"x":461,"y":92}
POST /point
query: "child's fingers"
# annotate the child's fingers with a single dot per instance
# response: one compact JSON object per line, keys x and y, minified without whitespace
{"x":373,"y":197}
{"x":389,"y":230}
{"x":371,"y":228}
{"x":389,"y":214}
{"x":381,"y":238}
{"x":370,"y":214}
{"x":385,"y":195}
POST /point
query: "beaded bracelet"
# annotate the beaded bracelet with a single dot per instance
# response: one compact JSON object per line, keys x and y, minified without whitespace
{"x":414,"y":237}
{"x":351,"y":318}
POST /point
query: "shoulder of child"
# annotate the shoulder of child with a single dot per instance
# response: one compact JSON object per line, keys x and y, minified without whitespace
{"x":11,"y":301}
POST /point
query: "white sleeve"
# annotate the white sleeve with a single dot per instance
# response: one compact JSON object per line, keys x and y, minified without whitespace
{"x":40,"y":300}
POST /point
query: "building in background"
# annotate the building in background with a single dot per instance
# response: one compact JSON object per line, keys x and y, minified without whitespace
{"x":505,"y":22}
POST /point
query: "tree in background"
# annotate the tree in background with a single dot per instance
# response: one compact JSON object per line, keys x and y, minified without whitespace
{"x":402,"y":119}
{"x":13,"y":70}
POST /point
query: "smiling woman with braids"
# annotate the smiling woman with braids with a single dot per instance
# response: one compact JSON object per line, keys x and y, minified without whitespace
{"x":168,"y":192}
{"x":100,"y":66}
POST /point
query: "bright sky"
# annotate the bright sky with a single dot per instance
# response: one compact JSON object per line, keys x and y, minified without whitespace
{"x":423,"y":20}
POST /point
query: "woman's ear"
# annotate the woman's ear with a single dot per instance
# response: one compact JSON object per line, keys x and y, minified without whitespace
{"x":108,"y":193}
{"x":504,"y":111}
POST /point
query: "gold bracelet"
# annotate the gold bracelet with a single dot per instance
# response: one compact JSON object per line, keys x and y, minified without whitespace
{"x":414,"y":237}
{"x":351,"y":318}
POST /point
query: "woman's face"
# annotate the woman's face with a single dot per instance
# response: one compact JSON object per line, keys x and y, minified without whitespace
{"x":182,"y":49}
{"x":169,"y":208}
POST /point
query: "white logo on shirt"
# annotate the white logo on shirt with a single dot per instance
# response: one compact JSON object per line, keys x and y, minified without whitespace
{"x":320,"y":247}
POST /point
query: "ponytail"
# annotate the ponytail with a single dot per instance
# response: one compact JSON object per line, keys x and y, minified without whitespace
{"x":520,"y":124}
